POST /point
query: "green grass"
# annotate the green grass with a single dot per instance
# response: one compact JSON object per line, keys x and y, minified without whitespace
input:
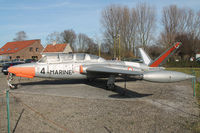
{"x":191,"y":71}
{"x":195,"y":127}
{"x":188,"y":70}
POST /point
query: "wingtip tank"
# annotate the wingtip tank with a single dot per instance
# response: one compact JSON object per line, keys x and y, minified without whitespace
{"x":166,"y":76}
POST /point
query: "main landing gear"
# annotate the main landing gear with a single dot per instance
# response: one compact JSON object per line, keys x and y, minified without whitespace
{"x":111,"y":82}
{"x":111,"y":85}
{"x":9,"y":79}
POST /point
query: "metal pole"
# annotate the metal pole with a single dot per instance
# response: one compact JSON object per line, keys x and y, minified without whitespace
{"x":99,"y":50}
{"x":8,"y":110}
{"x":193,"y":83}
{"x":194,"y":86}
{"x":119,"y":48}
{"x":114,"y":48}
{"x":125,"y":82}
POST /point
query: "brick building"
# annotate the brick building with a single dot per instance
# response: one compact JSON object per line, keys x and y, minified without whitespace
{"x":57,"y":48}
{"x":28,"y":49}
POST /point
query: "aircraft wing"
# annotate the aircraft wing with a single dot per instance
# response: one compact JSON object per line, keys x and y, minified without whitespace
{"x":114,"y":71}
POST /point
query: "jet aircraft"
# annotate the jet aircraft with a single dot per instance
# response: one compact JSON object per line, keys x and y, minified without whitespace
{"x":87,"y":66}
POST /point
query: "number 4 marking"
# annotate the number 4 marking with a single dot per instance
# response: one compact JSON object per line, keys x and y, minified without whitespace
{"x":42,"y":71}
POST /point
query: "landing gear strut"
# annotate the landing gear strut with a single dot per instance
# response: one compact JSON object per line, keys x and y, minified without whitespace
{"x":9,"y":79}
{"x":111,"y":82}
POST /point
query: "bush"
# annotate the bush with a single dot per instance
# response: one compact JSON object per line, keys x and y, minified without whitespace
{"x":182,"y":64}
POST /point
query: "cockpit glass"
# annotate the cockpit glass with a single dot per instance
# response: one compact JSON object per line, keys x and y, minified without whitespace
{"x":54,"y":58}
{"x":80,"y":56}
{"x":43,"y":60}
{"x":92,"y":57}
{"x":66,"y":57}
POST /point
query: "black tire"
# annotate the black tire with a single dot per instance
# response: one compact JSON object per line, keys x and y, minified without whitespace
{"x":14,"y":87}
{"x":110,"y":87}
{"x":5,"y":73}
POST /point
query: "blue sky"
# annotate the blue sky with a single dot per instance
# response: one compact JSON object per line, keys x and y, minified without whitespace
{"x":38,"y":18}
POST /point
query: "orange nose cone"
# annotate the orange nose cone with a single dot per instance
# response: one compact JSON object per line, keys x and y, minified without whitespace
{"x":28,"y":72}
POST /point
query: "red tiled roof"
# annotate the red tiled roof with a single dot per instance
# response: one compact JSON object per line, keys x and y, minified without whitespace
{"x":55,"y":48}
{"x":13,"y":47}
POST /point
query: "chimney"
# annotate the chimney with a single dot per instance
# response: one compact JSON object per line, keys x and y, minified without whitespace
{"x":54,"y":42}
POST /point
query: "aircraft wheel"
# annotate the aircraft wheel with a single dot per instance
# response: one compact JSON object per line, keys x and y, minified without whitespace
{"x":14,"y":86}
{"x":90,"y":79}
{"x":110,"y":86}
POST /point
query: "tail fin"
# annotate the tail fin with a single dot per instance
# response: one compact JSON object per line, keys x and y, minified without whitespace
{"x":146,"y":59}
{"x":165,"y":55}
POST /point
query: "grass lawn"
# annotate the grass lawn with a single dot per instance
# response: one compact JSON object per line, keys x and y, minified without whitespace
{"x":195,"y":127}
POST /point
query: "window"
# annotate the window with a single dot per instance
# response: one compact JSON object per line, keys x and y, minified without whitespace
{"x":8,"y":49}
{"x":94,"y":57}
{"x":37,"y":49}
{"x":16,"y":48}
{"x":2,"y":49}
{"x":43,"y":60}
{"x":66,"y":57}
{"x":31,"y":49}
{"x":80,"y":56}
{"x":53,"y":58}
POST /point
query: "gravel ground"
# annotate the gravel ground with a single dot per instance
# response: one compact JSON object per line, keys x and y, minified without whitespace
{"x":86,"y":107}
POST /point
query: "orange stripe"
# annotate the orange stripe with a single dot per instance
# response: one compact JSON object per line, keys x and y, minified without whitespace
{"x":81,"y":69}
{"x":28,"y":72}
{"x":157,"y":62}
{"x":26,"y":76}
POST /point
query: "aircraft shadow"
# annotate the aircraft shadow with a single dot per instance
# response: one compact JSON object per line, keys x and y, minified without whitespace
{"x":100,"y":83}
{"x":54,"y":82}
{"x":121,"y":92}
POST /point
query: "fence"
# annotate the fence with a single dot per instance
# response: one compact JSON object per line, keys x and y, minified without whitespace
{"x":13,"y":119}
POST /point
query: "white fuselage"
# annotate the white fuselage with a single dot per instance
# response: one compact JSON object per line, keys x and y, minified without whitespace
{"x":72,"y":69}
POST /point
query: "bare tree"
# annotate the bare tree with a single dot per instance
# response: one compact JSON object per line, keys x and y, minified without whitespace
{"x":82,"y":42}
{"x":170,"y":22}
{"x":92,"y":47}
{"x":111,"y":23}
{"x":20,"y":36}
{"x":54,"y":37}
{"x":86,"y":44}
{"x":181,"y":24}
{"x":190,"y":44}
{"x":124,"y":28}
{"x":119,"y":24}
{"x":69,"y":36}
{"x":154,"y":51}
{"x":197,"y":25}
{"x":176,"y":21}
{"x":146,"y":23}
{"x":127,"y":32}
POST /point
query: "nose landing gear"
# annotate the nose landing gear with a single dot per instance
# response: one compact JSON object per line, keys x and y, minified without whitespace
{"x":9,"y":80}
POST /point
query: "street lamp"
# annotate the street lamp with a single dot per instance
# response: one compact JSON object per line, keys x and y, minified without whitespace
{"x":99,"y":49}
{"x":117,"y":51}
{"x":119,"y":46}
{"x":114,"y":48}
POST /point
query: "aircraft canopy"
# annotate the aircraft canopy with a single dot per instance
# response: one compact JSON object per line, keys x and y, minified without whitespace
{"x":63,"y":57}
